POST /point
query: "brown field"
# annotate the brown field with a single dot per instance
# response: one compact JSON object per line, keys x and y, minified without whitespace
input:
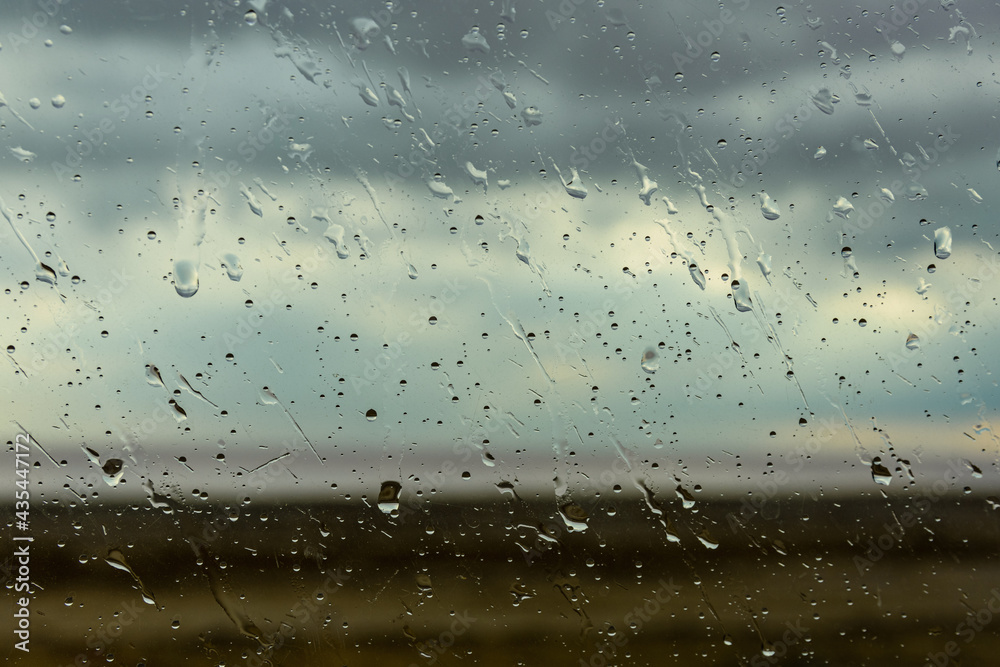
{"x":343,"y":584}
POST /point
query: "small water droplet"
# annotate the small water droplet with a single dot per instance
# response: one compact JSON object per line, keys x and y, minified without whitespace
{"x":371,"y":415}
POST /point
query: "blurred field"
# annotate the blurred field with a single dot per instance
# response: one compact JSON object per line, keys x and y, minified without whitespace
{"x":343,"y":584}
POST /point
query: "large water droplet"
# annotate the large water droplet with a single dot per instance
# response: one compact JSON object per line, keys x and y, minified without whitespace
{"x":574,"y":516}
{"x":113,"y":470}
{"x":186,"y":277}
{"x":531,"y":116}
{"x":880,"y":473}
{"x":697,"y":275}
{"x":650,"y":361}
{"x":767,"y":207}
{"x":741,"y":295}
{"x":843,"y":207}
{"x":233,"y":267}
{"x":942,"y":243}
{"x":388,"y":497}
{"x":474,"y":42}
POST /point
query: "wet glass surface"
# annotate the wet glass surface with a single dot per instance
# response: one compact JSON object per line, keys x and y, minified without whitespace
{"x":500,"y":333}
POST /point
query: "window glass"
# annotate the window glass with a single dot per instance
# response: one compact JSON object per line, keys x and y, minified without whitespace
{"x":505,"y":332}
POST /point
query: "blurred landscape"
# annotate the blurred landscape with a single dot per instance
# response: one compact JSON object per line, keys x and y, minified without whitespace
{"x":507,"y":583}
{"x":502,"y":332}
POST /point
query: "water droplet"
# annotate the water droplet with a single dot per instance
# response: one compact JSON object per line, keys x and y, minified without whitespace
{"x":371,"y":415}
{"x":44,"y":273}
{"x":388,"y":497}
{"x":707,"y":540}
{"x":116,"y":559}
{"x":233,"y":267}
{"x":474,"y":42}
{"x":764,"y":264}
{"x":942,"y":243}
{"x":697,"y":275}
{"x":650,"y":361}
{"x":912,"y":342}
{"x":880,"y":473}
{"x":58,"y":101}
{"x":574,"y":516}
{"x":767,"y":207}
{"x":843,"y":207}
{"x":531,"y":116}
{"x":186,"y":277}
{"x":824,"y":100}
{"x":250,"y":17}
{"x":741,"y":296}
{"x":113,"y":470}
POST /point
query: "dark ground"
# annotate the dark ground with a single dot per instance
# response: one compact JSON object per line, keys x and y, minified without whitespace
{"x":448,"y":584}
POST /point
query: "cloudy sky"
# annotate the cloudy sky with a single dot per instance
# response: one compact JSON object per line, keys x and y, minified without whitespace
{"x":341,"y":246}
